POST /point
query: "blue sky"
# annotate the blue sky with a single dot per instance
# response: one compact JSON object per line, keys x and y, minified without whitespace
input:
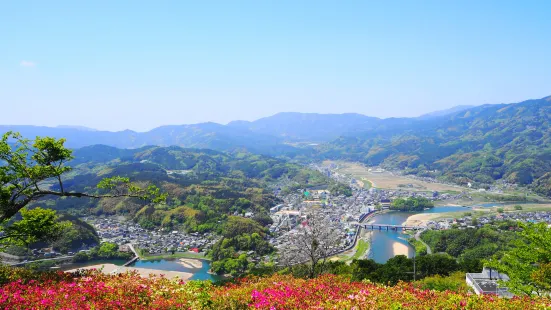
{"x":115,"y":65}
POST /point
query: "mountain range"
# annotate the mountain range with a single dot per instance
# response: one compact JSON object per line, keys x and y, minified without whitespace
{"x":266,"y":135}
{"x":464,"y":144}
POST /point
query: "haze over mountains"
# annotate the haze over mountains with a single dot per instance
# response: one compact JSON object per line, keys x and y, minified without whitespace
{"x":260,"y":135}
{"x":464,"y":144}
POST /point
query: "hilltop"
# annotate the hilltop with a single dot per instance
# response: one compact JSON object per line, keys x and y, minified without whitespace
{"x":479,"y":145}
{"x":212,"y":183}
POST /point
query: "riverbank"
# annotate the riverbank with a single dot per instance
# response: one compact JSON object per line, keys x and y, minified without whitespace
{"x":421,"y":219}
{"x":191,"y":263}
{"x":177,"y":255}
{"x":143,"y":272}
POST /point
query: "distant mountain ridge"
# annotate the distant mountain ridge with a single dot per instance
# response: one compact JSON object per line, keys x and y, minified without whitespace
{"x":307,"y":126}
{"x":266,"y":135}
{"x":449,"y":111}
{"x":481,"y":144}
{"x":509,"y":142}
{"x":77,"y":127}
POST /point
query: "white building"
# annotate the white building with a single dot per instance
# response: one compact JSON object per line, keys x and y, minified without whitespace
{"x":486,"y":282}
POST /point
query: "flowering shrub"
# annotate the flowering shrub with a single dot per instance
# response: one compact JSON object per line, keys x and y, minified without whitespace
{"x":333,"y":292}
{"x":93,"y":290}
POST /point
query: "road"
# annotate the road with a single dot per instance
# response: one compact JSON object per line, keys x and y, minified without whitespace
{"x":418,"y":238}
{"x":42,"y":260}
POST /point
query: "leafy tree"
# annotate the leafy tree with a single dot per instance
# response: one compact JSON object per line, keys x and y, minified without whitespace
{"x":26,"y":169}
{"x":441,"y":264}
{"x":35,"y":225}
{"x":454,"y":282}
{"x":237,"y":225}
{"x":363,"y":269}
{"x":338,"y":188}
{"x":528,"y":263}
{"x":411,"y":204}
{"x":106,"y":250}
{"x":399,"y":268}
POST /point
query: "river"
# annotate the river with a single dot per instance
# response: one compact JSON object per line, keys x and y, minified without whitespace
{"x":387,"y":244}
{"x":384,"y":244}
{"x":159,"y":264}
{"x":173,"y":265}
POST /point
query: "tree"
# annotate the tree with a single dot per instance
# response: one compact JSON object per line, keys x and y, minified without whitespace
{"x":314,"y":241}
{"x":363,"y":269}
{"x":528,"y":263}
{"x":441,"y":264}
{"x":35,"y":225}
{"x":454,"y":282}
{"x":27,"y":168}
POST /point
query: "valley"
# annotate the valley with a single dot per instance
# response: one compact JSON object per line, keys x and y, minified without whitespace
{"x":234,"y":209}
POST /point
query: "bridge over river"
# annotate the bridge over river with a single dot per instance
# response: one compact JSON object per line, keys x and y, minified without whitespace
{"x":388,"y":227}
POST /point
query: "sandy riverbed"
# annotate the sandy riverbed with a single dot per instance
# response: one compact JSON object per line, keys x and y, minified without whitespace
{"x":143,"y":272}
{"x":191,"y":263}
{"x":421,"y":219}
{"x":400,"y":249}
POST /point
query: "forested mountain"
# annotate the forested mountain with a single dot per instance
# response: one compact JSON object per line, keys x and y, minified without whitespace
{"x":266,"y":136}
{"x":204,"y":135}
{"x":462,"y":144}
{"x":445,"y":112}
{"x":204,"y":186}
{"x":482,"y":144}
{"x":308,"y":126}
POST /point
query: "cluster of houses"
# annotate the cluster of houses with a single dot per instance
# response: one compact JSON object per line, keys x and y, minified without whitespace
{"x":122,"y":232}
{"x":470,"y":222}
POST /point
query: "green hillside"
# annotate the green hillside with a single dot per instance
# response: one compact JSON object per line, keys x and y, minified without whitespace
{"x":204,"y":186}
{"x":479,"y":145}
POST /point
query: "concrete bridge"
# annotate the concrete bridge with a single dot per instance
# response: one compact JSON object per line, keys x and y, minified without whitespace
{"x":136,"y":256}
{"x":388,"y":227}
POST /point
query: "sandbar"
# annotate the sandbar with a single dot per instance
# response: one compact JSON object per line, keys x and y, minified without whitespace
{"x":191,"y":263}
{"x":400,"y":249}
{"x":143,"y":272}
{"x":421,"y":219}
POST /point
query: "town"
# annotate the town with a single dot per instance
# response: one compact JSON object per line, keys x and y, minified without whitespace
{"x":121,"y":231}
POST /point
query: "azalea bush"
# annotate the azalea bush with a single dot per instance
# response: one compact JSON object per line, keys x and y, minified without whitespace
{"x":333,"y":292}
{"x":94,"y":290}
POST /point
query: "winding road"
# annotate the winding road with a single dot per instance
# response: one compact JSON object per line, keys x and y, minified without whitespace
{"x":418,"y":238}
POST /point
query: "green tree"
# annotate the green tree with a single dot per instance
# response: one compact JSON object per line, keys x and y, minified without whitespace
{"x":26,"y":167}
{"x":441,"y":264}
{"x":35,"y":225}
{"x":528,"y":263}
{"x":454,"y":282}
{"x":363,"y":269}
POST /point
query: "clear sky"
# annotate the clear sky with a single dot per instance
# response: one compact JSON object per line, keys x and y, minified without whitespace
{"x":115,"y":65}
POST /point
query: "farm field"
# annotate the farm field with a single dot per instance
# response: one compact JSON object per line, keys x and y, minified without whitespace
{"x":387,"y":180}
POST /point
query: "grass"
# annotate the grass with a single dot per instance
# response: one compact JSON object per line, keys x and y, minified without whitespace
{"x":420,"y":248}
{"x":361,"y":249}
{"x":450,"y":192}
{"x":367,"y":183}
{"x":175,"y":255}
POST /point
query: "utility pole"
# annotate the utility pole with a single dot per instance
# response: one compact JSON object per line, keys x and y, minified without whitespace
{"x":414,"y":271}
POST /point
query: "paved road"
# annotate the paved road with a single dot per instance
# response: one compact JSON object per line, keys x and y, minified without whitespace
{"x":133,"y":250}
{"x":42,"y":260}
{"x":418,"y":238}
